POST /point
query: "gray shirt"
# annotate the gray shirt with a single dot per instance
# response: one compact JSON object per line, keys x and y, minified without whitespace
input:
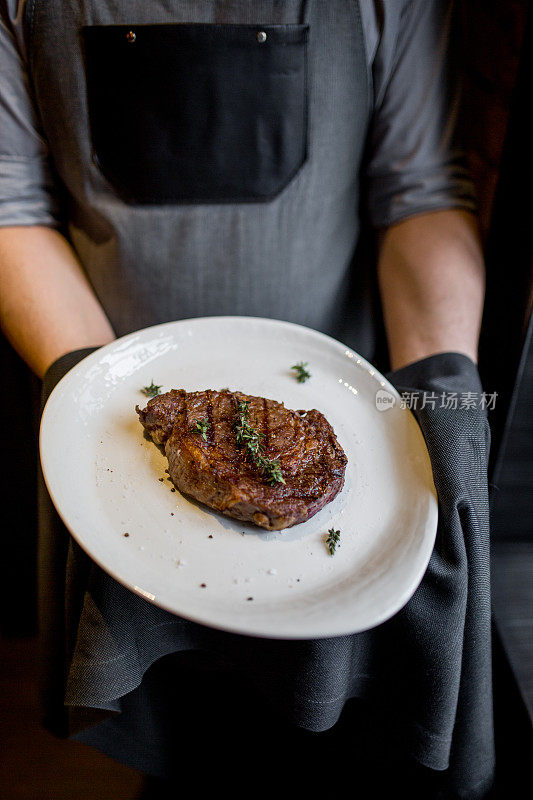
{"x":382,"y":121}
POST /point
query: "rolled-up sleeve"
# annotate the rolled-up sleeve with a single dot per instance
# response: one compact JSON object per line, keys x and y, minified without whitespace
{"x":415,"y":164}
{"x":28,"y":191}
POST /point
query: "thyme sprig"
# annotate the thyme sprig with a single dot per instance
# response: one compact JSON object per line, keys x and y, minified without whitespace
{"x":271,"y":469}
{"x":250,"y":440}
{"x":302,"y":374}
{"x":201,"y":426}
{"x":152,"y":390}
{"x":332,"y":540}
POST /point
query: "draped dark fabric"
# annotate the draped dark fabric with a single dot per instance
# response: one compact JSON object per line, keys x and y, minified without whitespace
{"x":426,"y":672}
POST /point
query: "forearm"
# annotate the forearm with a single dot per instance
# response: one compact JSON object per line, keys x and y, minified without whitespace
{"x":47,"y":307}
{"x":432,"y":279}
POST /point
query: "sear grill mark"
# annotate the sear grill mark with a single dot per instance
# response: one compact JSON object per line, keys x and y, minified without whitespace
{"x":265,"y":428}
{"x":210,"y":433}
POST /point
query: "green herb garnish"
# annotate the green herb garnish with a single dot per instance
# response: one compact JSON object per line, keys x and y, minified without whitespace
{"x":271,"y":469}
{"x":201,"y":426}
{"x":302,"y":374}
{"x":152,"y":390}
{"x":332,"y":540}
{"x":250,"y":439}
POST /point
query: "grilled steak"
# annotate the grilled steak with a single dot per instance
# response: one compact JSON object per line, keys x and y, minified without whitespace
{"x":206,"y":462}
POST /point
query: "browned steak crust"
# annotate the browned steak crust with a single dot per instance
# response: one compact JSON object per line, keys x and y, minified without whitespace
{"x":216,"y":471}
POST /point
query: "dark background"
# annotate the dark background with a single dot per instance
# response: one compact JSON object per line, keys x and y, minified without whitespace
{"x":496,"y":46}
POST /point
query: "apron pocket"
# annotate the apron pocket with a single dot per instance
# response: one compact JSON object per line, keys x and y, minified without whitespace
{"x":197,"y":113}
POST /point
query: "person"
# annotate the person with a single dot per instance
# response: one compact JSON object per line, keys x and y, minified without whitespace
{"x":161,"y":161}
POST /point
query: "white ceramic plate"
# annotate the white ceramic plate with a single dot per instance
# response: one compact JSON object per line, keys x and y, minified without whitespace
{"x":104,"y":479}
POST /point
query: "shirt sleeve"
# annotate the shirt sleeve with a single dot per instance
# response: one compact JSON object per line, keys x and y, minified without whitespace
{"x":28,"y":194}
{"x":414,"y":163}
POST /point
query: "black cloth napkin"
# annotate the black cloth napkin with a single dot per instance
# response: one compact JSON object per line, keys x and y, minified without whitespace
{"x":134,"y":680}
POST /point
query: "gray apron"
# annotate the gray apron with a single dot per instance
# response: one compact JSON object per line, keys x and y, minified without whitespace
{"x":289,"y":256}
